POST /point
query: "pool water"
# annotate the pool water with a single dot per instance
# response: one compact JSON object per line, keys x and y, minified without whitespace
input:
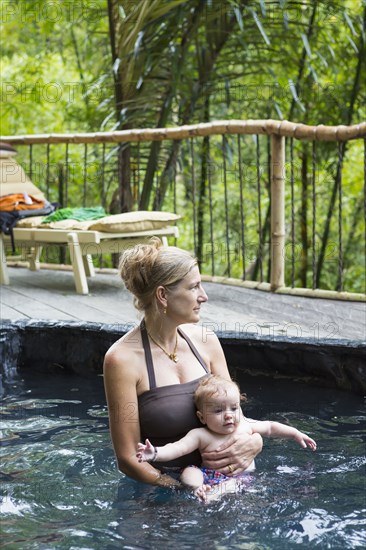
{"x":60,"y":488}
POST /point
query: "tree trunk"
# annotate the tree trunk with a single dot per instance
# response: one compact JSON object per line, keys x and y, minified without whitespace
{"x":203,"y":183}
{"x":351,"y":237}
{"x":122,"y":197}
{"x":302,"y":61}
{"x":354,"y":94}
{"x":165,"y":112}
{"x":304,"y":218}
{"x":207,"y":67}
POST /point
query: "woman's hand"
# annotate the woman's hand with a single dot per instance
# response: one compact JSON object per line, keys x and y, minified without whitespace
{"x":235,"y":455}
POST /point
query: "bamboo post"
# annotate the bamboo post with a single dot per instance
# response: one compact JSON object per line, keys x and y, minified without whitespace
{"x":277,"y":278}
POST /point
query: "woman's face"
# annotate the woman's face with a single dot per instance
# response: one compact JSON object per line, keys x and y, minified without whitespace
{"x":184,"y":301}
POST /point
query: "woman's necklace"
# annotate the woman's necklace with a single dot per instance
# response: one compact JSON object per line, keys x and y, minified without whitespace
{"x":172,"y":356}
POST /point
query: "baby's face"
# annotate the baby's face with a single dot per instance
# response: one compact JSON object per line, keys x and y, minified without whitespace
{"x":221,"y":413}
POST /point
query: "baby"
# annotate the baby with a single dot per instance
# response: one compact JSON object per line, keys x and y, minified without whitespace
{"x":218,"y":408}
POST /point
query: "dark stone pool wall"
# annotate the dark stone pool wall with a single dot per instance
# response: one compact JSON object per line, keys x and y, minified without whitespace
{"x":329,"y":363}
{"x":80,"y":347}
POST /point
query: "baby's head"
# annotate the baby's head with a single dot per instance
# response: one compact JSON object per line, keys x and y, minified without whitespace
{"x":218,"y":402}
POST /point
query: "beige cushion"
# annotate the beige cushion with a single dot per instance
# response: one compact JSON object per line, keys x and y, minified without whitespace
{"x":134,"y":221}
{"x":7,"y":154}
{"x":13,"y":179}
{"x":36,"y":222}
{"x":7,"y":150}
{"x":66,"y":224}
{"x":30,"y":221}
{"x":119,"y":223}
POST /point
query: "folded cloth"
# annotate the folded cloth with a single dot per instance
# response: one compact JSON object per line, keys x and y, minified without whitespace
{"x":79,"y":214}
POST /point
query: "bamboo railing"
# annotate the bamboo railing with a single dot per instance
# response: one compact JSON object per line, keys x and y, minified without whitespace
{"x":277,"y":132}
{"x":260,"y":127}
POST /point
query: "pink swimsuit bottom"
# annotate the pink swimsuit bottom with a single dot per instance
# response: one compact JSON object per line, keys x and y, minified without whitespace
{"x":213,"y":477}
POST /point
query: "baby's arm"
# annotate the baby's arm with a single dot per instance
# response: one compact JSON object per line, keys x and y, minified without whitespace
{"x":189,"y":443}
{"x":276,"y":429}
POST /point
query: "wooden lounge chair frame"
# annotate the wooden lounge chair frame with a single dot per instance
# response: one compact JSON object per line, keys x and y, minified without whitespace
{"x":82,"y":244}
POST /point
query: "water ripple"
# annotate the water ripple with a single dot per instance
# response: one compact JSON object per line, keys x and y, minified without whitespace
{"x":61,"y":489}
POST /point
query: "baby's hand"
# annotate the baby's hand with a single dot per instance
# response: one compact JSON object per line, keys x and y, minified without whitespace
{"x":201,"y":492}
{"x":306,"y":441}
{"x":145,"y":452}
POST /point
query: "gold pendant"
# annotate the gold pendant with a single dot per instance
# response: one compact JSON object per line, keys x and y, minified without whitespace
{"x":173,"y":357}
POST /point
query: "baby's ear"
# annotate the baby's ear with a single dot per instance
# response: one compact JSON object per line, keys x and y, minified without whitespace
{"x":200,"y":416}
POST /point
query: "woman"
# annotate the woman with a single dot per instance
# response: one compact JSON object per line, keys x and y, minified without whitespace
{"x":152,"y":372}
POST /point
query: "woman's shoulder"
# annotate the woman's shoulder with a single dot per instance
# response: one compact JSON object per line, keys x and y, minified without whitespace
{"x":125,"y":350}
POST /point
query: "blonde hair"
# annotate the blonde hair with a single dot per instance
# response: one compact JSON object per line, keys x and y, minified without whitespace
{"x":214,"y":386}
{"x":144,"y":267}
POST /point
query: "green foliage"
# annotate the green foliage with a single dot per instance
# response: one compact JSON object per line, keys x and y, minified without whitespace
{"x":52,"y":81}
{"x":103,"y":65}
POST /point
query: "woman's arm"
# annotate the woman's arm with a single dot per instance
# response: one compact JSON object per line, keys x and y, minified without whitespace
{"x":276,"y":429}
{"x":120,"y":381}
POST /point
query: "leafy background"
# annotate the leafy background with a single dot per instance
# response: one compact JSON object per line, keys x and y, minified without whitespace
{"x":112,"y":65}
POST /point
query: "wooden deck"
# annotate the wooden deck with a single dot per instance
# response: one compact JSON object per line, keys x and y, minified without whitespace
{"x":50,"y":295}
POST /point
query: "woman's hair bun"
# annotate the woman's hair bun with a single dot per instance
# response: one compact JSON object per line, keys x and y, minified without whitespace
{"x":137,"y":263}
{"x":146,"y":266}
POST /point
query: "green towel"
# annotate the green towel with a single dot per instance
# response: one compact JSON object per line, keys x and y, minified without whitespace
{"x":79,"y":214}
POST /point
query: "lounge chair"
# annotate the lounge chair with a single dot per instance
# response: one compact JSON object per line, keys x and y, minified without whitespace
{"x":111,"y":234}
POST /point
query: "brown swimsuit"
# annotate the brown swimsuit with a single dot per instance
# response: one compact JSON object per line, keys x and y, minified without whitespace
{"x":167,"y":413}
